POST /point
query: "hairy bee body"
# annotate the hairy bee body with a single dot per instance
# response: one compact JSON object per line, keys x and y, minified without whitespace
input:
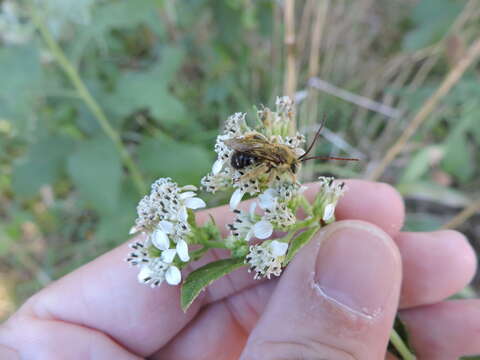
{"x":241,"y":160}
{"x":255,"y":149}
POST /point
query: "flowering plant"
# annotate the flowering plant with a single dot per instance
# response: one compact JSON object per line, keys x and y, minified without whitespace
{"x":167,"y":222}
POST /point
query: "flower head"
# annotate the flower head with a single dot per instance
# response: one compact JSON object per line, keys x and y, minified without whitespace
{"x":266,"y":258}
{"x":163,"y":218}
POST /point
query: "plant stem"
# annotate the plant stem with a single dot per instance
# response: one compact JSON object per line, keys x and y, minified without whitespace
{"x":85,"y":95}
{"x":461,"y":217}
{"x":401,"y":347}
{"x":290,"y":81}
{"x":450,"y":80}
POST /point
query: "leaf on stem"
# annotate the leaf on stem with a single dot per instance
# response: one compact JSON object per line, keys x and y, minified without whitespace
{"x":298,"y":242}
{"x":204,"y":276}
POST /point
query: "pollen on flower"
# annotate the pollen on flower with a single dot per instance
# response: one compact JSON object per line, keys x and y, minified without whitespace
{"x":266,"y":258}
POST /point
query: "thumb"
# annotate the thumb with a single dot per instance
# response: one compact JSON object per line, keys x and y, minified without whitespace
{"x":336,"y":300}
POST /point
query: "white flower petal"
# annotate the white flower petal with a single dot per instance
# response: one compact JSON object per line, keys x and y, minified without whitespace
{"x":251,"y":210}
{"x":262,"y":229}
{"x":267,"y":199}
{"x":166,"y":226}
{"x":249,"y":235}
{"x":328,"y":212}
{"x":189,"y":188}
{"x":182,"y":214}
{"x":217,"y":166}
{"x":160,"y":240}
{"x":195,"y":203}
{"x":278,"y":248}
{"x":173,"y":275}
{"x":182,"y":250}
{"x":186,"y":195}
{"x":133,"y":230}
{"x":144,"y":274}
{"x":168,"y":255}
{"x":236,"y":198}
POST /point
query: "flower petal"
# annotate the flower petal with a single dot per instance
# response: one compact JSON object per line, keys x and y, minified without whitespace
{"x":166,"y":226}
{"x":278,"y":248}
{"x":133,"y":230}
{"x":236,"y":198}
{"x":160,"y":240}
{"x":168,"y":255}
{"x":267,"y":199}
{"x":186,"y":195}
{"x":182,"y":214}
{"x":182,"y":250}
{"x":195,"y":203}
{"x":251,"y":210}
{"x":262,"y":229}
{"x":173,"y":275}
{"x":144,"y":274}
{"x":217,"y":166}
{"x":328,"y":212}
{"x":189,"y":188}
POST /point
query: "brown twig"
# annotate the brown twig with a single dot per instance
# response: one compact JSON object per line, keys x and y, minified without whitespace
{"x":289,"y":40}
{"x":462,"y":216}
{"x":450,"y":80}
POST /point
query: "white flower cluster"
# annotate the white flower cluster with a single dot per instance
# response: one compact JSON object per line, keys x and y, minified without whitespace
{"x":163,"y":217}
{"x":266,"y":258}
{"x":330,"y":191}
{"x":275,"y":125}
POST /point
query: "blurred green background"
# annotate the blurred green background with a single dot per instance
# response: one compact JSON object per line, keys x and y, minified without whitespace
{"x":94,"y":91}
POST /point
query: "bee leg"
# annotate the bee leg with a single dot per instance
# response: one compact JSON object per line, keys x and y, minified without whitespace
{"x":254,"y":173}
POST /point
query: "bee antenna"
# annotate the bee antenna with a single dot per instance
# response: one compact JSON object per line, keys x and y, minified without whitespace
{"x":329,"y":158}
{"x":317,"y":134}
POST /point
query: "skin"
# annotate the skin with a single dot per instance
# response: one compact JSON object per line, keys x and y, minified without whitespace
{"x":336,"y":300}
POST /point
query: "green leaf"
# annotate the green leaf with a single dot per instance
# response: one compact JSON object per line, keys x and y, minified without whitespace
{"x":42,"y":165}
{"x":298,"y":242}
{"x":96,"y":170}
{"x":204,"y":276}
{"x":184,"y":162}
{"x":150,"y":89}
{"x":432,"y":19}
{"x":420,"y":163}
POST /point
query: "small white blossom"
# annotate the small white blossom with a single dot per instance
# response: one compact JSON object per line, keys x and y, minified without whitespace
{"x":247,"y":225}
{"x":330,"y":191}
{"x":266,"y":258}
{"x":156,"y":271}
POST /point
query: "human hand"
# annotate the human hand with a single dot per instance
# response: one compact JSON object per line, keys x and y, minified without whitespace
{"x":336,"y":300}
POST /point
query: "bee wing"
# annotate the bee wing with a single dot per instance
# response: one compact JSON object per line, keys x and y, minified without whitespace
{"x":246,"y":144}
{"x":260,"y":148}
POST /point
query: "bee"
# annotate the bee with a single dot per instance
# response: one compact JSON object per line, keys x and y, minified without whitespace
{"x":270,"y":157}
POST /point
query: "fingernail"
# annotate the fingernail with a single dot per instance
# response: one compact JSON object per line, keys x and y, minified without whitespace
{"x":357,"y":267}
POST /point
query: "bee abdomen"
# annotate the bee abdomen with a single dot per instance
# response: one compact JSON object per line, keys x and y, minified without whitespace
{"x":241,"y":160}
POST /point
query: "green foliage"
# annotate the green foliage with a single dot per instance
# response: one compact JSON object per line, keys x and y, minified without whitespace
{"x":204,"y":276}
{"x":96,"y":171}
{"x":42,"y":165}
{"x":431,"y":19}
{"x":300,"y":241}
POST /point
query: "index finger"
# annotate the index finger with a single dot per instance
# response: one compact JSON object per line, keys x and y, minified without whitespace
{"x":105,"y":295}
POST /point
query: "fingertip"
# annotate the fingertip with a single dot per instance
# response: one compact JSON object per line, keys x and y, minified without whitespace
{"x":374,"y":202}
{"x":436,"y":265}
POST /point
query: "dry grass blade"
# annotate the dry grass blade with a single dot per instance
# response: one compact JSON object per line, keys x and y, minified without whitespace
{"x":291,"y":64}
{"x":462,"y":216}
{"x":361,"y":101}
{"x":450,"y":80}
